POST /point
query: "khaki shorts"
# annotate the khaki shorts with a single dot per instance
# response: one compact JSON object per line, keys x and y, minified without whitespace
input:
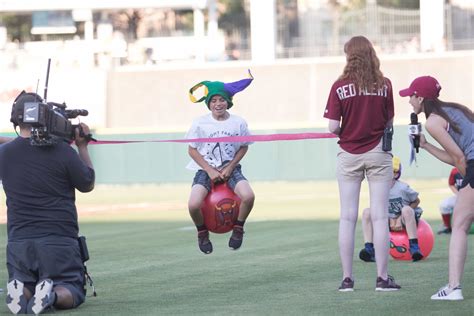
{"x":376,"y":164}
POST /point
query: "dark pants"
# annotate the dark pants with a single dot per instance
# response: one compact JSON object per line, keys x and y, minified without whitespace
{"x":53,"y":257}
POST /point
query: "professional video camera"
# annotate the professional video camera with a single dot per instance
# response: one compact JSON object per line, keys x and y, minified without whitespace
{"x":50,"y":121}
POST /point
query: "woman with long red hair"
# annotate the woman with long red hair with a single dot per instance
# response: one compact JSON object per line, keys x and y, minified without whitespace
{"x":360,"y":111}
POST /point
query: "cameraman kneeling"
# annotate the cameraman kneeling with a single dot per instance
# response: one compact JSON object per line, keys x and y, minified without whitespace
{"x":44,"y":264}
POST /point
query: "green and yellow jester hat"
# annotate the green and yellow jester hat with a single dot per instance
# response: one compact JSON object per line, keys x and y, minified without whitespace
{"x":226,"y":90}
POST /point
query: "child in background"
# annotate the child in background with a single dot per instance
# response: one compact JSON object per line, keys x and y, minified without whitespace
{"x":447,"y":205}
{"x":403,"y":213}
{"x":218,"y":161}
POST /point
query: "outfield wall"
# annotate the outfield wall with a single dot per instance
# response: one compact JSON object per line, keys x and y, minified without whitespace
{"x":265,"y":161}
{"x":288,"y":93}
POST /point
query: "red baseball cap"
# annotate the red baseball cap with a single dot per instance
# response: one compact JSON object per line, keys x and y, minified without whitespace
{"x":425,"y":87}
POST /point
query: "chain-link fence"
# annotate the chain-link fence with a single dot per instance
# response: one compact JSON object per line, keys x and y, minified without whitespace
{"x":459,"y":28}
{"x":324,"y":31}
{"x":391,"y":30}
{"x":164,"y":35}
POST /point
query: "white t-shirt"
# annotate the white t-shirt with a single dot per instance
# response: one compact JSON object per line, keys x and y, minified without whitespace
{"x":217,"y":155}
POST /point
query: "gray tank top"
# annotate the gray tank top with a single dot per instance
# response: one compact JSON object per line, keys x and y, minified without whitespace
{"x":466,"y":138}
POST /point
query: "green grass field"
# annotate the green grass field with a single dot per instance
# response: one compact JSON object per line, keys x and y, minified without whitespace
{"x":145,"y":260}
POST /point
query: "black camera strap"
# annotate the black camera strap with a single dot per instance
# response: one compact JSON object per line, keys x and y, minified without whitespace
{"x":84,"y":257}
{"x":89,"y":280}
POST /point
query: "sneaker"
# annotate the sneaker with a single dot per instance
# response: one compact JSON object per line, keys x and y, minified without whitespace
{"x":367,"y":254}
{"x":415,"y":252}
{"x":444,"y":230}
{"x":235,"y":240}
{"x":43,"y":299}
{"x":386,"y":285}
{"x":448,"y":294}
{"x":347,"y":285}
{"x":204,"y":243}
{"x":15,"y":299}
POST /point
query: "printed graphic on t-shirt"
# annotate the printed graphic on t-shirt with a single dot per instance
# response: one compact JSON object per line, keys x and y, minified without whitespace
{"x":395,"y":207}
{"x":219,"y":154}
{"x":349,"y":90}
{"x":458,"y":181}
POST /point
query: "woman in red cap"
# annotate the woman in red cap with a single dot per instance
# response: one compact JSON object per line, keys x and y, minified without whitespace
{"x":360,"y":108}
{"x":452,"y":126}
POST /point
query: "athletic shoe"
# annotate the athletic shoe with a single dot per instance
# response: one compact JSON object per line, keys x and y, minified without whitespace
{"x":43,"y":299}
{"x":415,"y":252}
{"x":447,"y":294}
{"x":444,"y":230}
{"x":367,"y":254}
{"x":347,"y":285}
{"x":15,"y":299}
{"x":237,"y":237}
{"x":386,"y":285}
{"x":204,"y":243}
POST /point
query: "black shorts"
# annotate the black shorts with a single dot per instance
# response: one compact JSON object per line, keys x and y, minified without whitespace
{"x":203,"y":179}
{"x":55,"y":258}
{"x":469,"y":178}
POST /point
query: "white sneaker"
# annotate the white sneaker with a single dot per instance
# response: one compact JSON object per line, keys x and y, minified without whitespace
{"x":448,"y":294}
{"x":15,"y":299}
{"x":43,"y":298}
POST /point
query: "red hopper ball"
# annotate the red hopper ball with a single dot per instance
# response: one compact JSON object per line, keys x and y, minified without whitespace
{"x":400,"y":246}
{"x":220,"y":209}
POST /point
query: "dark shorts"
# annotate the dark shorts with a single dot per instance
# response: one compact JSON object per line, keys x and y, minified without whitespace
{"x":55,"y":258}
{"x":203,"y":179}
{"x":469,"y":178}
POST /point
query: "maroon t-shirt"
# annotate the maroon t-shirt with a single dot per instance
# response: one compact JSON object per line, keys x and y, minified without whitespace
{"x":364,"y":114}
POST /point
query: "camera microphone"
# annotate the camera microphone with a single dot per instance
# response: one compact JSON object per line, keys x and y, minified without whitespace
{"x":76,"y":113}
{"x":414,"y":129}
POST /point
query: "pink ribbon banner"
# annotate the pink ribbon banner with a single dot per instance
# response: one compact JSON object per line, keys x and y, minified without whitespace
{"x":228,"y":139}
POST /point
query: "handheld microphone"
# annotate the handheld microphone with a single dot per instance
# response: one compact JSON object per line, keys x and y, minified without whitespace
{"x":414,"y":129}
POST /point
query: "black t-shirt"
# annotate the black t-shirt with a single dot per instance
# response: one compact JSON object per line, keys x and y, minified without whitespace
{"x":40,"y":183}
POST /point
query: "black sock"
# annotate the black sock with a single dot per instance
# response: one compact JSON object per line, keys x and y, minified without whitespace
{"x":55,"y":299}
{"x":369,"y":245}
{"x":240,"y":223}
{"x":201,"y":227}
{"x":413,"y":241}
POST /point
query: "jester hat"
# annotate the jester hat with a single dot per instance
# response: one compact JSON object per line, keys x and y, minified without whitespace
{"x":226,"y":90}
